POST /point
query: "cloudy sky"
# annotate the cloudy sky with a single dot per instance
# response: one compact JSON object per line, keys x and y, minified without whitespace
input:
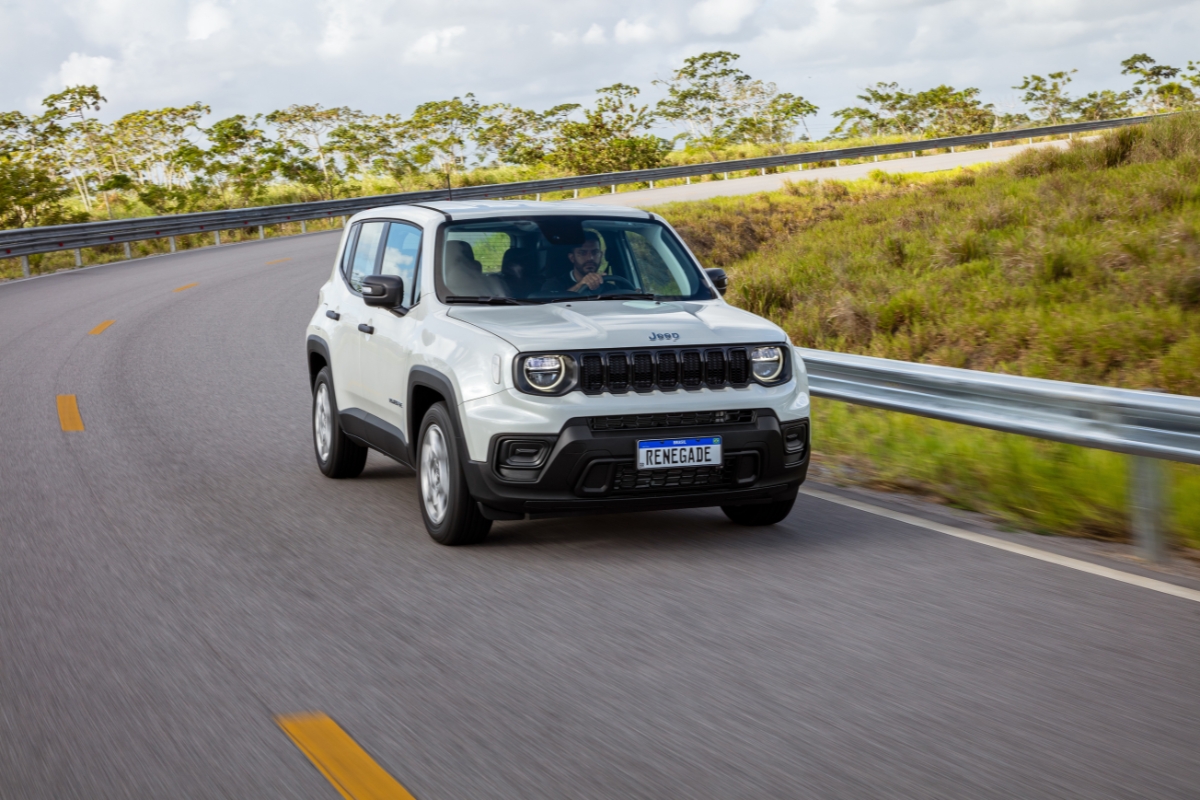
{"x":388,"y":55}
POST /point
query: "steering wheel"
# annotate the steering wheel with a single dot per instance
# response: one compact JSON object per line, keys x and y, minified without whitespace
{"x":617,"y":283}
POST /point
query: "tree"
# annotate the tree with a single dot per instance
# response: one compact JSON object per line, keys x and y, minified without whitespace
{"x":302,"y":130}
{"x":1104,"y":104}
{"x":1156,"y":84}
{"x":240,"y":157}
{"x":442,"y":130}
{"x":74,"y":138}
{"x":613,"y":136}
{"x":940,"y":111}
{"x":518,"y":135}
{"x":376,"y":145}
{"x":720,"y":104}
{"x":31,"y":196}
{"x":1047,"y":97}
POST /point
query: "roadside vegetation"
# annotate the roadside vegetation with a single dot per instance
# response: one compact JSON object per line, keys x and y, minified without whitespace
{"x":1077,"y":264}
{"x":66,"y":163}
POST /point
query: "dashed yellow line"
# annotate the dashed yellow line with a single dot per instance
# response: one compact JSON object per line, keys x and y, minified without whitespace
{"x":347,"y":766}
{"x":280,"y":260}
{"x":68,"y":413}
{"x":102,"y":327}
{"x":189,"y":286}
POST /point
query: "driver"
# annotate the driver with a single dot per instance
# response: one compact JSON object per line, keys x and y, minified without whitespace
{"x":584,"y":277}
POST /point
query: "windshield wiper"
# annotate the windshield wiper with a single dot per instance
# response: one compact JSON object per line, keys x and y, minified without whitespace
{"x":614,"y":296}
{"x":491,"y":301}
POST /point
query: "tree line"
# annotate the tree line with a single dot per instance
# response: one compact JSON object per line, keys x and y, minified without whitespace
{"x":64,"y":164}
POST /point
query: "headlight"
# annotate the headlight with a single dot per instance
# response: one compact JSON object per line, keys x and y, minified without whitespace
{"x":766,"y":363}
{"x":548,"y":373}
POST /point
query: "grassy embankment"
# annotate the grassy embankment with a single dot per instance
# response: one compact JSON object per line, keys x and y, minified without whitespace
{"x":125,"y":205}
{"x":1078,"y":265}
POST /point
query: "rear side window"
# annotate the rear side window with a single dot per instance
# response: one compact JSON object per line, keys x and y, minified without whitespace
{"x":400,"y":254}
{"x":366,"y":253}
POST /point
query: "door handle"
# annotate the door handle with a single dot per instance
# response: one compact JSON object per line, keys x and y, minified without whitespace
{"x":365,"y":328}
{"x":333,"y":315}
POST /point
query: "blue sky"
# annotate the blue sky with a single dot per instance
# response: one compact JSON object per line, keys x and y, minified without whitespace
{"x":388,"y":55}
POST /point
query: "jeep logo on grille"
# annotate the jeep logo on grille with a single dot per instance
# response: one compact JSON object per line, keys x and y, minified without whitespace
{"x":660,"y":337}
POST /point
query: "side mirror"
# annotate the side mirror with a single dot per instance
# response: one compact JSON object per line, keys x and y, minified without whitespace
{"x":718,"y":278}
{"x":385,"y":291}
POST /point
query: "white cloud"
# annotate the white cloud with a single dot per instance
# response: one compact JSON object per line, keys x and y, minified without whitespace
{"x":715,"y":17}
{"x":206,"y":19}
{"x":628,"y":32}
{"x":433,"y":43}
{"x":83,"y":70}
{"x":595,"y":35}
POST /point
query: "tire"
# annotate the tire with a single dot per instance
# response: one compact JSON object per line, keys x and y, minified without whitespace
{"x":762,"y":514}
{"x":337,"y":456}
{"x":451,"y":516}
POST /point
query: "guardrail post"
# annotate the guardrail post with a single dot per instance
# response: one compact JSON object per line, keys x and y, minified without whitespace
{"x":914,"y":153}
{"x":1147,"y":501}
{"x":304,"y":226}
{"x":877,"y":159}
{"x":78,"y":257}
{"x":726,"y":174}
{"x":25,"y":266}
{"x":172,"y":238}
{"x":261,"y":235}
{"x":651,"y":184}
{"x":538,"y":197}
{"x":576,"y":194}
{"x":1031,"y":140}
{"x":990,"y":145}
{"x":128,"y":254}
{"x":614,"y":189}
{"x":689,"y":180}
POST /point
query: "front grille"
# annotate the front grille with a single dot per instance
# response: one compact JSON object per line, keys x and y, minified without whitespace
{"x":686,"y":419}
{"x":666,"y":370}
{"x":628,"y":478}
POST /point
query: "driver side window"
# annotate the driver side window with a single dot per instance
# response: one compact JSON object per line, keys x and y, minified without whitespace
{"x":366,"y":253}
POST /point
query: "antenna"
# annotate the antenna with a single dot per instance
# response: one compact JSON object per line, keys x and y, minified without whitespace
{"x":449,"y":188}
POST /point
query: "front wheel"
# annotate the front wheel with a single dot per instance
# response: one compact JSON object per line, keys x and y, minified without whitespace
{"x":451,"y":516}
{"x":762,"y":514}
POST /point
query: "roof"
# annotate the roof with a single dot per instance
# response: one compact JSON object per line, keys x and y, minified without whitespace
{"x":484,"y":209}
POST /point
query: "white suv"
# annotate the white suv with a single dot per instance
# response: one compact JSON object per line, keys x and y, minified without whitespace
{"x":547,"y":359}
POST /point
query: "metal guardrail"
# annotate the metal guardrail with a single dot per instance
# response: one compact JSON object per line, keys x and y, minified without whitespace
{"x":24,"y":242}
{"x":1145,"y":425}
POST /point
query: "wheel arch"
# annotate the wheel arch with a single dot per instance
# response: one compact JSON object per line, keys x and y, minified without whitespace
{"x":318,"y":357}
{"x":426,"y":387}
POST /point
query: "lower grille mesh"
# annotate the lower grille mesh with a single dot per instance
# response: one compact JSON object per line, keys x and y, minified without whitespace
{"x":628,"y":478}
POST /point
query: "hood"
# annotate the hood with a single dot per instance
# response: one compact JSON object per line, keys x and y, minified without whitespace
{"x":617,"y":324}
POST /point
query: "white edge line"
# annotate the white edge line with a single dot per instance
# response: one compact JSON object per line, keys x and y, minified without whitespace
{"x":1012,"y":547}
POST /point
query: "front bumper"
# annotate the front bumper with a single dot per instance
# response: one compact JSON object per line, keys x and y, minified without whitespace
{"x":588,"y":470}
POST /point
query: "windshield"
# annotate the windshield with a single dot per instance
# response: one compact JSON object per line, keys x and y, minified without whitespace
{"x":554,"y":259}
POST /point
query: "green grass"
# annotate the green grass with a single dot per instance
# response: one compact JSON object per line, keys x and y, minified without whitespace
{"x":1079,"y":265}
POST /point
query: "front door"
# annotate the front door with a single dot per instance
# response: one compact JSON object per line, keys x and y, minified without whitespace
{"x":387,"y":353}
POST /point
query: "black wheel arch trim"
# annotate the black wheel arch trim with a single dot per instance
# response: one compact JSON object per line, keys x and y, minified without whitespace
{"x":319,"y":346}
{"x":421,"y":376}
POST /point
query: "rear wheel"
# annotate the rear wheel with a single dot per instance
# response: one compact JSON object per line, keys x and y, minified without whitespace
{"x":451,"y":516}
{"x":762,"y":514}
{"x":337,"y":456}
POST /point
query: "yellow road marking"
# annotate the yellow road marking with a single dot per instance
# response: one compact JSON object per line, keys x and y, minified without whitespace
{"x":181,"y":288}
{"x":102,"y":327}
{"x":280,"y":260}
{"x":347,"y":766}
{"x":68,"y":413}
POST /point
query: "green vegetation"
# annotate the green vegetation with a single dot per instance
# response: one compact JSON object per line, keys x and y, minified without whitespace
{"x":1078,"y":264}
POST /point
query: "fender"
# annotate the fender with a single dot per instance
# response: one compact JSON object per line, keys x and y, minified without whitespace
{"x":421,"y":376}
{"x":319,"y":346}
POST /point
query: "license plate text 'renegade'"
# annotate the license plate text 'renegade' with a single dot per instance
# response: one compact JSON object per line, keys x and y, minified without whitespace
{"x":674,"y":453}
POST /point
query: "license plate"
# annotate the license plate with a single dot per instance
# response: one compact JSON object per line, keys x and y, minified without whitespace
{"x":675,"y":453}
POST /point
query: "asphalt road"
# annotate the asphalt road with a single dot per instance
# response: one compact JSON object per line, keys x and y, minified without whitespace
{"x":707,"y":190}
{"x":178,"y":573}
